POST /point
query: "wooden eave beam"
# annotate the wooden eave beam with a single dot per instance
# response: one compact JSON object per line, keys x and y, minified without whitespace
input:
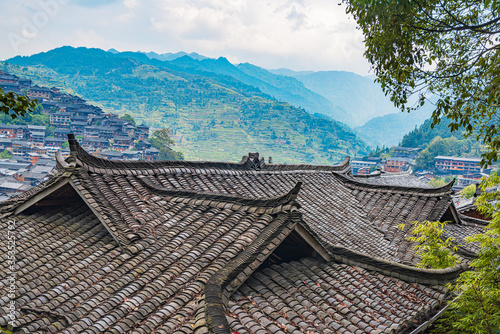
{"x":312,"y":242}
{"x":41,"y":195}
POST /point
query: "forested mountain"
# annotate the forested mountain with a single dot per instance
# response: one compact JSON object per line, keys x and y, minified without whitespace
{"x":283,"y":88}
{"x":213,"y":115}
{"x":424,"y":134}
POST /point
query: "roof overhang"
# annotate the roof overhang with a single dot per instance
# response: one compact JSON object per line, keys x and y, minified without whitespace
{"x":41,"y":195}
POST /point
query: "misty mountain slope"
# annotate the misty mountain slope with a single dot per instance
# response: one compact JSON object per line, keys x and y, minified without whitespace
{"x":291,"y":90}
{"x":212,"y":116}
{"x":282,"y":88}
{"x":389,"y":130}
{"x":359,"y":96}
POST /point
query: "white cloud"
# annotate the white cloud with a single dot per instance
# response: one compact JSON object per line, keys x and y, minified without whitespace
{"x":89,"y":38}
{"x":298,"y":34}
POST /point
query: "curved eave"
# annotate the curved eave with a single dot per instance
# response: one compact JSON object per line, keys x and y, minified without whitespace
{"x":354,"y":184}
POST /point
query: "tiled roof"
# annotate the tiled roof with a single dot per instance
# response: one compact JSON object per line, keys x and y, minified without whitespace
{"x":147,"y":274}
{"x":393,"y":179}
{"x":137,"y":247}
{"x":311,"y":297}
{"x":339,"y":209}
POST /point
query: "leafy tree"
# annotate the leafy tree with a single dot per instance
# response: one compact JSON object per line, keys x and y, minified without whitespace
{"x":5,"y":154}
{"x":425,"y":159}
{"x":476,"y":309}
{"x":446,"y":49}
{"x":4,"y":331}
{"x":434,"y":251}
{"x":162,"y":142}
{"x":469,"y":191}
{"x":15,"y":105}
{"x":437,"y":182}
{"x":128,"y":118}
{"x":49,"y":132}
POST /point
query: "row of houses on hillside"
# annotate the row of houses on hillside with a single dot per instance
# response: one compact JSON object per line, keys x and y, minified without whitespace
{"x":96,"y":130}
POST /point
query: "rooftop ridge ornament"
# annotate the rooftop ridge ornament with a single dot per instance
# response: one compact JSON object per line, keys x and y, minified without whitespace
{"x":73,"y":148}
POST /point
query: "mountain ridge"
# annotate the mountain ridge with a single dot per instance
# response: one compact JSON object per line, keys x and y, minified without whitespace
{"x":212,"y":116}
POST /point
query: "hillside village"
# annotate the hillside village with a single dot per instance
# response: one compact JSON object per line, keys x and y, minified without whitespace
{"x":108,"y":136}
{"x":33,"y":146}
{"x":322,"y":168}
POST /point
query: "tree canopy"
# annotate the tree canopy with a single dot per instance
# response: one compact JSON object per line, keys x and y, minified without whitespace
{"x":447,"y":49}
{"x":162,"y":142}
{"x":15,"y":105}
{"x":128,"y":118}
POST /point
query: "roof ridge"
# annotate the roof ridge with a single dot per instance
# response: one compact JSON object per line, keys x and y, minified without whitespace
{"x":356,"y":184}
{"x":398,"y":270}
{"x":214,"y":301}
{"x":199,"y":196}
{"x":248,"y":163}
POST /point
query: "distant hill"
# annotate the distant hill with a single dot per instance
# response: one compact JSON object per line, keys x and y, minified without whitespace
{"x":213,"y":114}
{"x":388,"y":130}
{"x":360,"y":97}
{"x":282,"y":88}
{"x":362,"y":105}
{"x":171,"y":56}
{"x":352,"y":99}
{"x":424,"y":134}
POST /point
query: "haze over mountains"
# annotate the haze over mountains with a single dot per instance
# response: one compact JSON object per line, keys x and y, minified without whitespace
{"x":207,"y":102}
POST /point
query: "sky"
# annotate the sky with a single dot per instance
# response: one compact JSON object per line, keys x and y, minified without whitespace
{"x":314,"y":35}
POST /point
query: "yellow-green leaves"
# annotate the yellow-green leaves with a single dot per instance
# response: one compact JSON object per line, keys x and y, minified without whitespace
{"x":435,"y":251}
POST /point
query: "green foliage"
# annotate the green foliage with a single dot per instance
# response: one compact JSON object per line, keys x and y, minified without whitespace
{"x":169,"y":154}
{"x":5,"y":154}
{"x":49,"y":131}
{"x":437,"y":182}
{"x":161,"y":140}
{"x":448,"y":49}
{"x":15,"y":105}
{"x":425,"y":134}
{"x":128,"y":118}
{"x":469,"y":191}
{"x":27,"y":118}
{"x":4,"y":331}
{"x":476,"y":309}
{"x":435,"y":252}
